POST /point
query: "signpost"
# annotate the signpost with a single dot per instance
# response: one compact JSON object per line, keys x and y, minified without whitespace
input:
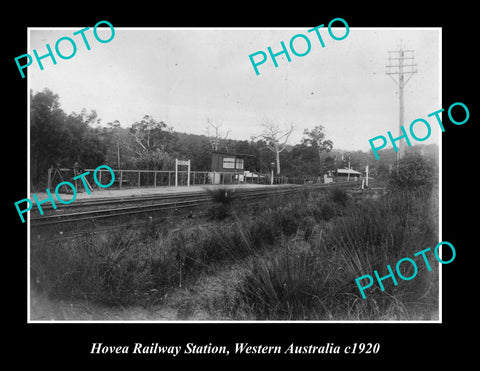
{"x":182,"y":163}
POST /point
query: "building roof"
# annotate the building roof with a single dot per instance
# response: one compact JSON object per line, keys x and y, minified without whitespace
{"x":233,"y":154}
{"x":348,"y":171}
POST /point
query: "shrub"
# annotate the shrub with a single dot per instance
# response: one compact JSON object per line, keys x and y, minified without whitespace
{"x":284,"y":285}
{"x":264,"y":230}
{"x":112,"y":269}
{"x":222,"y":202}
{"x":339,"y":196}
{"x":378,"y":233}
{"x":414,"y":172}
{"x":315,"y":278}
{"x":218,"y":211}
{"x":325,"y":211}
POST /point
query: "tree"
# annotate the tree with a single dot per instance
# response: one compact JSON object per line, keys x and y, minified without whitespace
{"x":60,"y":139}
{"x":153,"y":141}
{"x":300,"y":161}
{"x":414,"y":172}
{"x":330,"y":163}
{"x":275,"y":139}
{"x":216,"y":139}
{"x":113,"y":134}
{"x":316,"y":139}
{"x":196,"y":148}
{"x":84,"y":141}
{"x":151,"y":135}
{"x":46,"y":133}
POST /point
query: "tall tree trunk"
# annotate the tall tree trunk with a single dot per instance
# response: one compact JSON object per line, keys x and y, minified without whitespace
{"x":278,"y":161}
{"x":320,"y":159}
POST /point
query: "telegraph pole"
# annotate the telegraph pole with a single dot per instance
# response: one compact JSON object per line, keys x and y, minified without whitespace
{"x":401,"y":63}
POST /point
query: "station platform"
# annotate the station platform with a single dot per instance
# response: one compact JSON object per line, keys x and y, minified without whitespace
{"x":133,"y":192}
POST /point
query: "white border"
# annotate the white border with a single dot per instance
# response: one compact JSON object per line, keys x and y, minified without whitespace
{"x":440,"y":313}
{"x":440,"y":187}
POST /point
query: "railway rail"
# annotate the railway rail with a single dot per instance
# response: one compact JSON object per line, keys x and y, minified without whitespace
{"x":106,"y":208}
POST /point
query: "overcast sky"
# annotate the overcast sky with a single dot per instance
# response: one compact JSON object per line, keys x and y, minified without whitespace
{"x":184,"y":76}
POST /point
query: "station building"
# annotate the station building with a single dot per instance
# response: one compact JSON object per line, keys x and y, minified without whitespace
{"x":346,"y":173}
{"x":227,"y":167}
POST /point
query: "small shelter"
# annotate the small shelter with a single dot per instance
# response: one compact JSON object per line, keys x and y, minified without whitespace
{"x":345,"y":173}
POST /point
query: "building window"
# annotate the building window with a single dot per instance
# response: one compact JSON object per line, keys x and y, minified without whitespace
{"x":229,"y":162}
{"x":239,"y":164}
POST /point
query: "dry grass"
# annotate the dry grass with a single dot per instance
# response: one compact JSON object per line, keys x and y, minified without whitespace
{"x":295,"y":258}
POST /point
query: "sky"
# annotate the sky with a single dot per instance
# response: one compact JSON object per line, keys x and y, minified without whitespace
{"x":186,"y":76}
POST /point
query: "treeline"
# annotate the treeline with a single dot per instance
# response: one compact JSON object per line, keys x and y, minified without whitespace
{"x":61,"y":139}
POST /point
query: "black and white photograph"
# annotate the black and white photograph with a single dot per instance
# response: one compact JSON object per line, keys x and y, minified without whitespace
{"x":235,"y":174}
{"x":246,"y":182}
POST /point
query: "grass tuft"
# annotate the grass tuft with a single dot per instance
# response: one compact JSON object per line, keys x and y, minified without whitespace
{"x":298,"y":256}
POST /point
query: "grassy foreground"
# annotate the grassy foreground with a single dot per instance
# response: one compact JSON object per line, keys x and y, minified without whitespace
{"x":288,"y":258}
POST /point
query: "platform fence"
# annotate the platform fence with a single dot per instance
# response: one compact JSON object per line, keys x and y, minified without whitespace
{"x":166,"y":178}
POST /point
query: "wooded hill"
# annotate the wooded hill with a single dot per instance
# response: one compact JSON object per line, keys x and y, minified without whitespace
{"x":61,"y":139}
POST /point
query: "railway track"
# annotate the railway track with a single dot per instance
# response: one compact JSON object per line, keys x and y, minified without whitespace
{"x":109,"y":208}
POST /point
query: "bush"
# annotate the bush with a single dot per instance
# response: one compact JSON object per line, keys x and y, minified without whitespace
{"x":414,"y":172}
{"x":113,"y":269}
{"x":325,"y":211}
{"x":378,"y":233}
{"x":339,"y":196}
{"x":139,"y":268}
{"x":284,"y":285}
{"x":218,"y":211}
{"x":222,"y":202}
{"x":315,"y":278}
